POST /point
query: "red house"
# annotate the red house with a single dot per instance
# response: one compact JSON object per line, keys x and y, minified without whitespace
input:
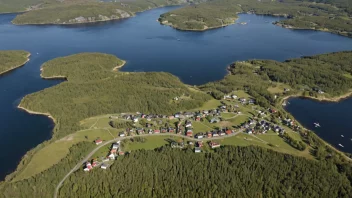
{"x":189,"y":133}
{"x":228,"y":132}
{"x":156,"y":131}
{"x":98,"y":141}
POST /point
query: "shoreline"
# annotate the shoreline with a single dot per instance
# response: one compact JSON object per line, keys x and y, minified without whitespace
{"x":324,"y":99}
{"x":198,"y":30}
{"x":119,"y":66}
{"x":36,"y":113}
{"x":17,"y":66}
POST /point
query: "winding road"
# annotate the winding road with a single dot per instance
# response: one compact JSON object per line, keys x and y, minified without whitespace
{"x":79,"y":164}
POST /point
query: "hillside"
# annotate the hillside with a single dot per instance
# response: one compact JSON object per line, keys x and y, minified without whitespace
{"x":299,"y":15}
{"x":86,"y":11}
{"x":93,"y":88}
{"x":11,"y":59}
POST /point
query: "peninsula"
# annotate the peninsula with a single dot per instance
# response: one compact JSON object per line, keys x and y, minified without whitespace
{"x":329,"y":16}
{"x":88,"y":11}
{"x":12,"y":59}
{"x":191,"y":129}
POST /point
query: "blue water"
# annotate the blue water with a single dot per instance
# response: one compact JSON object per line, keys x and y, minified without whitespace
{"x":195,"y":57}
{"x":333,"y":117}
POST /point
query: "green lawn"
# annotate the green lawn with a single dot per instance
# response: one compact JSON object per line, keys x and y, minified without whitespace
{"x":150,"y":143}
{"x":210,"y":104}
{"x":201,"y":127}
{"x":238,"y":120}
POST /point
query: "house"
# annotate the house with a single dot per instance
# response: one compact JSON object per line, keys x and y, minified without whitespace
{"x":197,"y":150}
{"x":227,"y":97}
{"x":115,"y":146}
{"x":113,"y":151}
{"x":251,"y":101}
{"x":188,"y":124}
{"x":214,"y":145}
{"x":200,"y":136}
{"x":140,"y":131}
{"x":198,"y":118}
{"x":171,"y":117}
{"x":243,"y":100}
{"x":206,"y":112}
{"x":111,"y":156}
{"x":234,"y":97}
{"x":200,"y":144}
{"x":228,"y":132}
{"x":135,"y":119}
{"x":249,"y":131}
{"x":215,"y":134}
{"x":171,"y":130}
{"x":122,"y":134}
{"x":215,"y":120}
{"x":156,"y":131}
{"x":121,"y":153}
{"x":95,"y":163}
{"x":89,"y":166}
{"x":164,"y":130}
{"x":189,"y":133}
{"x":177,"y":115}
{"x":98,"y":141}
{"x":86,"y":169}
{"x":104,"y":166}
{"x":272,"y":111}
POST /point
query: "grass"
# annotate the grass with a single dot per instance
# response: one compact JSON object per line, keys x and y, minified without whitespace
{"x":201,"y":127}
{"x":150,"y":143}
{"x":210,"y":104}
{"x":238,"y":120}
{"x":59,"y":149}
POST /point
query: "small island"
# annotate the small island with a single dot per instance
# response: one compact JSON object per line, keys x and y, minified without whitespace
{"x":12,"y":59}
{"x":334,"y":17}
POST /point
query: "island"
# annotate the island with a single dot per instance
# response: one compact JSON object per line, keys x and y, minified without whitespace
{"x":231,"y":133}
{"x":12,"y":59}
{"x":329,"y":16}
{"x":88,"y":11}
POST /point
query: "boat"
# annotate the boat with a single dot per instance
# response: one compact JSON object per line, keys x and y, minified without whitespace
{"x":342,"y":136}
{"x":341,"y":145}
{"x":316,"y":124}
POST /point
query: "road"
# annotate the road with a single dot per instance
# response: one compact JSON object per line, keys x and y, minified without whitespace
{"x":122,"y":138}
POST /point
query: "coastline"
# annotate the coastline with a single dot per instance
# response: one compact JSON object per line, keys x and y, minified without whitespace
{"x":36,"y":113}
{"x":198,"y":30}
{"x":17,"y":66}
{"x":323,"y":99}
{"x":334,"y":99}
{"x":119,"y":66}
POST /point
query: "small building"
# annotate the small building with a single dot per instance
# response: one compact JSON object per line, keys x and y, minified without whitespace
{"x":115,"y":146}
{"x":197,"y":150}
{"x":214,"y":145}
{"x":122,"y":134}
{"x":209,"y":135}
{"x":98,"y":141}
{"x":111,"y":156}
{"x":215,"y":120}
{"x":228,"y":132}
{"x":171,"y":117}
{"x":135,"y":120}
{"x":113,"y":151}
{"x":156,"y":131}
{"x":171,"y":130}
{"x":234,"y":97}
{"x":121,"y":153}
{"x":104,"y":166}
{"x":200,"y":136}
{"x":189,"y":133}
{"x":89,"y":166}
{"x":86,"y":169}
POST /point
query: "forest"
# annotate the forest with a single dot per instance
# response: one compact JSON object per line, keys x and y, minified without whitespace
{"x":299,"y":14}
{"x":228,"y":172}
{"x":11,"y":59}
{"x":93,"y":88}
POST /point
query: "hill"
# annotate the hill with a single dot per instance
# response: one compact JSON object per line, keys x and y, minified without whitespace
{"x":11,"y":59}
{"x":86,"y":11}
{"x":335,"y":18}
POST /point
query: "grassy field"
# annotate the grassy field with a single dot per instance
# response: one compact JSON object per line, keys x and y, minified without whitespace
{"x":11,"y":59}
{"x":210,"y":104}
{"x":55,"y":151}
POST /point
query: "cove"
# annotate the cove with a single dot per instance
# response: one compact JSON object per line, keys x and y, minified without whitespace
{"x":334,"y":118}
{"x":195,"y":57}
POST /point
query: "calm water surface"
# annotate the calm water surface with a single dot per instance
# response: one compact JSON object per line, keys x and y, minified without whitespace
{"x":195,"y":57}
{"x":333,"y":117}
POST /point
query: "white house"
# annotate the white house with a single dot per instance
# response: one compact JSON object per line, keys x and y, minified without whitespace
{"x":197,"y":150}
{"x":104,"y":166}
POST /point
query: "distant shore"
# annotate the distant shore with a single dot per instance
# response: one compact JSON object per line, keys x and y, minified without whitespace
{"x":15,"y":67}
{"x":322,"y":99}
{"x":198,"y":30}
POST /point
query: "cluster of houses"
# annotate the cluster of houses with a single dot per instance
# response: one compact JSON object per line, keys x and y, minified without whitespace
{"x":260,"y":127}
{"x":113,"y":153}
